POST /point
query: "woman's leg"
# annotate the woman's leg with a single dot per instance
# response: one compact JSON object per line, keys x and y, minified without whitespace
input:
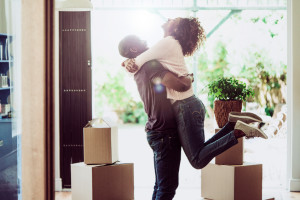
{"x":190,"y":125}
{"x":190,"y":114}
{"x":229,"y":126}
{"x":211,"y":150}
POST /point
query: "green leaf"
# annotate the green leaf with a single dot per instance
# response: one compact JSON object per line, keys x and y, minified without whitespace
{"x":229,"y":89}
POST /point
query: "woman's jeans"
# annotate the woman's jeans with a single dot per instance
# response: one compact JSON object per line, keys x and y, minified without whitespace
{"x":190,"y":115}
{"x":167,"y":155}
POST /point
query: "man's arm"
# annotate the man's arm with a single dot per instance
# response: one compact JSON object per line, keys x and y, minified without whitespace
{"x":179,"y":84}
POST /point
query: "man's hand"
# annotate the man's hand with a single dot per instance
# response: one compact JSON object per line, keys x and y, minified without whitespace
{"x":130,"y":65}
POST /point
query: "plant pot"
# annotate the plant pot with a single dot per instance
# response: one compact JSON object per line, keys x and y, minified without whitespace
{"x":223,"y":108}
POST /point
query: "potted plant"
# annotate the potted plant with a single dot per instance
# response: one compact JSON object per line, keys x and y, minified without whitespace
{"x":229,"y":94}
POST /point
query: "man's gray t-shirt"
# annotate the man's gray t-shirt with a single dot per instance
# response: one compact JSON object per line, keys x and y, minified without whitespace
{"x":153,"y":94}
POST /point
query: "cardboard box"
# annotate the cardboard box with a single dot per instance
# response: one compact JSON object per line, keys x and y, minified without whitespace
{"x":100,"y":142}
{"x":102,"y":182}
{"x":233,"y":155}
{"x":263,"y":198}
{"x":232,"y":182}
{"x":268,"y":198}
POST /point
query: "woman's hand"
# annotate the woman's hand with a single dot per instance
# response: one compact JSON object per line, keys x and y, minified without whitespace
{"x":130,"y":65}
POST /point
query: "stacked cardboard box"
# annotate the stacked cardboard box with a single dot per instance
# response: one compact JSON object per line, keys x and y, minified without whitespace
{"x":230,"y":178}
{"x":109,"y":182}
{"x":100,"y":142}
{"x":100,"y":176}
{"x":233,"y":155}
{"x":232,"y":182}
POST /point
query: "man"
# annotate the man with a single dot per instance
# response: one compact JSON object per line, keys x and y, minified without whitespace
{"x":152,"y":80}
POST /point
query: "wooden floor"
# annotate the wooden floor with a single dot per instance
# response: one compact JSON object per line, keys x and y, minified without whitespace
{"x":277,"y":195}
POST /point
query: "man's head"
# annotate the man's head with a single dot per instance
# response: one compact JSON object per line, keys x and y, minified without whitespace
{"x":131,"y":46}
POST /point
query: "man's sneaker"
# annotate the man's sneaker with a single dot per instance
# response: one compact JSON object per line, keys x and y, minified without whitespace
{"x":246,"y":117}
{"x":249,"y":130}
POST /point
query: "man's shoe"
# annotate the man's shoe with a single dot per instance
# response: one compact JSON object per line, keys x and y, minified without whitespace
{"x":246,"y":117}
{"x":249,"y":130}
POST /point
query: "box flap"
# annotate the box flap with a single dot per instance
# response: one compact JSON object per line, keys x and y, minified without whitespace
{"x":110,"y":122}
{"x":82,"y":164}
{"x":247,"y":164}
{"x":97,"y":123}
{"x":81,"y":174}
{"x":217,"y":182}
{"x":101,"y":123}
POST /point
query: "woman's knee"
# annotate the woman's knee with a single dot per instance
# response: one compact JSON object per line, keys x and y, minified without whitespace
{"x":198,"y":164}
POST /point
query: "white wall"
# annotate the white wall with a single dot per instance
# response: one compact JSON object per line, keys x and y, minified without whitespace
{"x":293,"y":95}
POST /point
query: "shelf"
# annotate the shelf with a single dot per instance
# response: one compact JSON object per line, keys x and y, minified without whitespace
{"x":5,"y":61}
{"x":5,"y":35}
{"x":5,"y":120}
{"x":7,"y":88}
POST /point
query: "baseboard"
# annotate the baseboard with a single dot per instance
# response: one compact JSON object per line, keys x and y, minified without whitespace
{"x":294,"y":185}
{"x":58,"y":185}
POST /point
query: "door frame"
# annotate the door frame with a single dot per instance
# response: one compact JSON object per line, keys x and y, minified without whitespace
{"x":37,"y":100}
{"x":293,"y":151}
{"x":293,"y":82}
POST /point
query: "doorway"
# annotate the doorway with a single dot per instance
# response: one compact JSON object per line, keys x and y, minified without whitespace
{"x":110,"y":60}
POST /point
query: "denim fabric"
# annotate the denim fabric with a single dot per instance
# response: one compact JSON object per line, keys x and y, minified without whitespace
{"x":190,"y":115}
{"x":167,"y":155}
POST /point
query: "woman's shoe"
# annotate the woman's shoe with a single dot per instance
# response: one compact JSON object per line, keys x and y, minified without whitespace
{"x":246,"y":117}
{"x":261,"y":124}
{"x":250,"y":114}
{"x":249,"y":130}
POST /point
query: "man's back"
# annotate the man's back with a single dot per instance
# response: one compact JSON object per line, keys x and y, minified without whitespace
{"x":154,"y":96}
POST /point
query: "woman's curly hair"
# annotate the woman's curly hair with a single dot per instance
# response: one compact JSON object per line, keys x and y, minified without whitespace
{"x":190,"y":35}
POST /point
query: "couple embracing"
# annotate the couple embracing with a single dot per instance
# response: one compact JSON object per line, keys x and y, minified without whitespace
{"x":175,"y":115}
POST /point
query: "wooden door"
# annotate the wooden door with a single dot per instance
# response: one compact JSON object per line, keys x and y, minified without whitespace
{"x":75,"y":87}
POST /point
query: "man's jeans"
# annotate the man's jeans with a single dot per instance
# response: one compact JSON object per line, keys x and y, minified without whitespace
{"x":167,"y":155}
{"x":190,"y":115}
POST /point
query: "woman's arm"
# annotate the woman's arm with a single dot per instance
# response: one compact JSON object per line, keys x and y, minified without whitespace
{"x":159,"y":51}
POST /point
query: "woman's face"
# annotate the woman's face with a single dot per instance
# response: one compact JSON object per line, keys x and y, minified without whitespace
{"x":170,"y":26}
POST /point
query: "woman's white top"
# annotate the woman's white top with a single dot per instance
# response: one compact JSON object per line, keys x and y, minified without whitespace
{"x":169,"y":53}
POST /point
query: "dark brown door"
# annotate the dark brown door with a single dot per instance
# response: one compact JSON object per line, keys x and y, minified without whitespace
{"x":75,"y":87}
